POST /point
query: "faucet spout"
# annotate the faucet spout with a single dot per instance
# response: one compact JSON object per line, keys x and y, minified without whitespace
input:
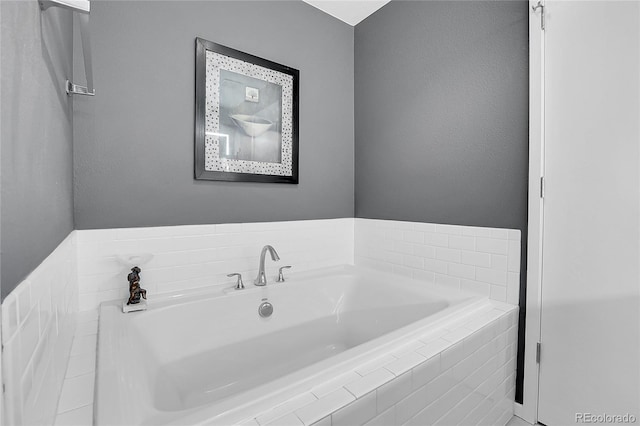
{"x":261,"y":279}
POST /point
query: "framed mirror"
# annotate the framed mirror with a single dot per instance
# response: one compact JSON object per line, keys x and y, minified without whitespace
{"x":246,"y":124}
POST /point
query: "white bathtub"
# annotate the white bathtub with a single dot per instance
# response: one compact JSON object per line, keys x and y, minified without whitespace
{"x":211,"y":357}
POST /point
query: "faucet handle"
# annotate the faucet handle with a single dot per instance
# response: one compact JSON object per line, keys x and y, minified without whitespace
{"x":239,"y":283}
{"x":281,"y":275}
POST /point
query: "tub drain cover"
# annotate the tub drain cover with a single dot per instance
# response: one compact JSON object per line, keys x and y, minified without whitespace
{"x":265,"y":309}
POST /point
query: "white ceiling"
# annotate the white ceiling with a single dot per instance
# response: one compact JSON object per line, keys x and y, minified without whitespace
{"x":349,"y":11}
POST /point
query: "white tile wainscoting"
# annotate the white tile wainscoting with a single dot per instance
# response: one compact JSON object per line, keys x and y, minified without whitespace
{"x":187,"y":257}
{"x":484,"y":261}
{"x":37,"y":331}
{"x":39,"y":320}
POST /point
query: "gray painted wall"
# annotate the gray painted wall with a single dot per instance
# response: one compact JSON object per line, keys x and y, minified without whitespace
{"x":442,"y":107}
{"x":441,"y":102}
{"x":37,"y":145}
{"x":134,"y":141}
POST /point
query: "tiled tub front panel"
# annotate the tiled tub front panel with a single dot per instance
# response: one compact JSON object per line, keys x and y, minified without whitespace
{"x":463,"y":374}
{"x":37,"y":330}
{"x":480,"y":260}
{"x":188,"y":257}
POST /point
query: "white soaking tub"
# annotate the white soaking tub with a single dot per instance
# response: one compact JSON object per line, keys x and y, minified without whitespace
{"x":210,"y":358}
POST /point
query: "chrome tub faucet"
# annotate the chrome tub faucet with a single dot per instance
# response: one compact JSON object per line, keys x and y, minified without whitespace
{"x":281,"y":275}
{"x":261,"y":279}
{"x":239,"y":283}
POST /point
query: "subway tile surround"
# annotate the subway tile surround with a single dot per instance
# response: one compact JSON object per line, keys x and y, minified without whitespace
{"x":84,"y":271}
{"x":480,"y":260}
{"x":189,"y":257}
{"x":37,"y":331}
{"x":484,"y":261}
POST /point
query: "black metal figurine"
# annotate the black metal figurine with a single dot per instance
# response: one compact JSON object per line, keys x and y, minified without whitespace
{"x":135,"y":291}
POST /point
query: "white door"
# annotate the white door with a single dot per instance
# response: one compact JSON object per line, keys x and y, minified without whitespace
{"x":590,"y":318}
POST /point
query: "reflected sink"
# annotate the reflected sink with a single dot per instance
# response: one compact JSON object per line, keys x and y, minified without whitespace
{"x":252,"y":125}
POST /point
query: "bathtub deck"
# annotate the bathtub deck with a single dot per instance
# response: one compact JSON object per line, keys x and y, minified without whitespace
{"x":75,"y":406}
